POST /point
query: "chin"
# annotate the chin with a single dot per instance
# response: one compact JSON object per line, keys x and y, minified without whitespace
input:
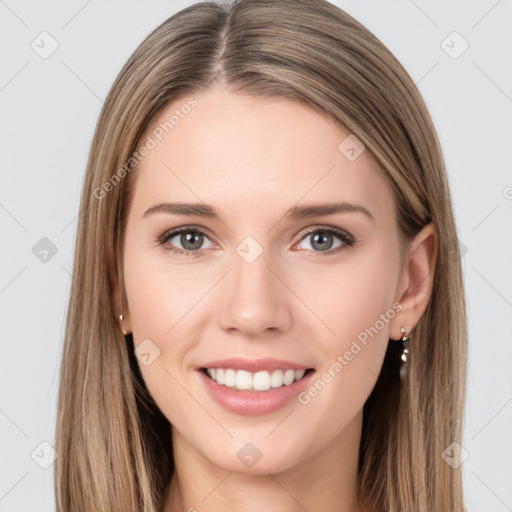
{"x":253,"y":458}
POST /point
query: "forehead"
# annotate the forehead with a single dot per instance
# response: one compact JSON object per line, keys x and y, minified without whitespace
{"x":239,"y":151}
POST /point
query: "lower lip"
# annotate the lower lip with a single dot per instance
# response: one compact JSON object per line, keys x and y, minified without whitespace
{"x":252,"y":403}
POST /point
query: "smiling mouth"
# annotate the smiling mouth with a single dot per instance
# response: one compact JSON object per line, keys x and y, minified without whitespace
{"x":243,"y":380}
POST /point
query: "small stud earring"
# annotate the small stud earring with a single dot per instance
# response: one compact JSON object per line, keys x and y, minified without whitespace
{"x":120,"y":317}
{"x":405,"y":353}
{"x":120,"y":320}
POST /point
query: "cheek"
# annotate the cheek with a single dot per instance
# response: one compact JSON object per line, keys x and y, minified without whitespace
{"x":357,"y":306}
{"x":164,"y":303}
{"x":159,"y":295}
{"x":352,"y":298}
{"x":367,"y":296}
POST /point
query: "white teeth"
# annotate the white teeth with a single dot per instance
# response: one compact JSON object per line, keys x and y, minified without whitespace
{"x":229,"y":378}
{"x":259,"y":381}
{"x":277,"y":380}
{"x":243,"y":379}
{"x":299,"y":374}
{"x":289,"y":377}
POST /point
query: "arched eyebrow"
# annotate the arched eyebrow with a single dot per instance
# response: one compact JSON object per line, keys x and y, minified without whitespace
{"x":296,"y":212}
{"x":192,"y":209}
{"x":317,"y":210}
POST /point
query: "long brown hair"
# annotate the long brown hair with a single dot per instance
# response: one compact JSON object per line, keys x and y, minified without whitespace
{"x":114,"y":445}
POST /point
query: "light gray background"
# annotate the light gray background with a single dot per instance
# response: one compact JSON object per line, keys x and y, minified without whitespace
{"x":49,"y":108}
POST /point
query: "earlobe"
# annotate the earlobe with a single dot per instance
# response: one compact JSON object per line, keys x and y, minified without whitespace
{"x":417,"y":280}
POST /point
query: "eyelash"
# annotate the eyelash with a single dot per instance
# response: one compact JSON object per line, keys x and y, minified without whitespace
{"x":345,"y":237}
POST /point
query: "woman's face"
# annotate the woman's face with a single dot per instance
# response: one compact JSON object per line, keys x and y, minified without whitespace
{"x":271,"y":270}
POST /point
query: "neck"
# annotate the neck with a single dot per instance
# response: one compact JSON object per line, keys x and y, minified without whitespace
{"x":323,"y":481}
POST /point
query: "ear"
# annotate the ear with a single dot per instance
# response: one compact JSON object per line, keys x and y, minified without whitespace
{"x":416,"y":281}
{"x":118,"y":299}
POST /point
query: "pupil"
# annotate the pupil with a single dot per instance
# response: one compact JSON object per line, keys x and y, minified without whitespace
{"x":322,"y":241}
{"x":191,"y":241}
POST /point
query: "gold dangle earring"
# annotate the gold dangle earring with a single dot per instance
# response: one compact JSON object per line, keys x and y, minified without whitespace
{"x":405,"y":353}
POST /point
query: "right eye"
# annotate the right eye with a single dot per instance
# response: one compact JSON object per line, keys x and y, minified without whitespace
{"x":185,"y":241}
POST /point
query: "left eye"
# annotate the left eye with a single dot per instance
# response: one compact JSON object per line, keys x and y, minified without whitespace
{"x":322,"y":240}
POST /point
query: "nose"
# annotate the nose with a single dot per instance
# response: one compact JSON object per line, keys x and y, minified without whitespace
{"x":254,"y":301}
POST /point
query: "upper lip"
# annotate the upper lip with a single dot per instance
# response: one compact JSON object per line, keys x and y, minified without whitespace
{"x":254,"y":365}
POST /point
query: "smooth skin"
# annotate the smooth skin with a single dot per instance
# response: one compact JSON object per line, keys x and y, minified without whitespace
{"x":252,"y":159}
